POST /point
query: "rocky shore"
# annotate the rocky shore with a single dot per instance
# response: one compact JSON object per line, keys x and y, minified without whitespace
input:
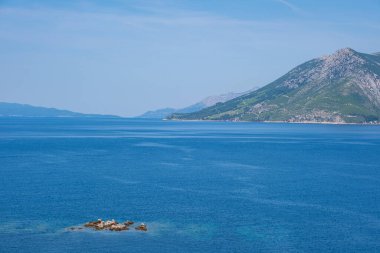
{"x":111,"y":225}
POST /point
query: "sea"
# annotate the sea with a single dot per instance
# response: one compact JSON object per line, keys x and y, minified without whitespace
{"x":198,"y":186}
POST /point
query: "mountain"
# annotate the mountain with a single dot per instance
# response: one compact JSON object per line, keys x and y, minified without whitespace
{"x":340,"y":88}
{"x":158,"y":114}
{"x":209,"y":101}
{"x":23,"y":110}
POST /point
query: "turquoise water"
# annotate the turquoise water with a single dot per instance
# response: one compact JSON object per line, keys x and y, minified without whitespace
{"x":199,"y":186}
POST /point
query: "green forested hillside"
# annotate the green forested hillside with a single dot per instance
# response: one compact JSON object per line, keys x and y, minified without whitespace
{"x":342,"y":87}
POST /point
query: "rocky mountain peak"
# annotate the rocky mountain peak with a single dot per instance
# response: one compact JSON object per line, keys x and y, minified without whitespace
{"x":343,"y":56}
{"x":345,"y":51}
{"x":341,"y":63}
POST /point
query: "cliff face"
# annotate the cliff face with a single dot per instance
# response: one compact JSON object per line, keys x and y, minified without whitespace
{"x":342,"y":87}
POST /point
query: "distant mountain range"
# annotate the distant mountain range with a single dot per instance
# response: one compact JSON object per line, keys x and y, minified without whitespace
{"x":207,"y":102}
{"x":340,"y":88}
{"x":23,"y":110}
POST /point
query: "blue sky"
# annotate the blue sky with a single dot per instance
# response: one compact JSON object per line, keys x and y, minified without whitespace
{"x":126,"y":57}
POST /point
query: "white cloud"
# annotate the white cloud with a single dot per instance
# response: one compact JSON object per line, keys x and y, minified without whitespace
{"x":292,"y":7}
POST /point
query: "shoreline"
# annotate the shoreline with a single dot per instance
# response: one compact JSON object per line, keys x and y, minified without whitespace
{"x":277,"y":122}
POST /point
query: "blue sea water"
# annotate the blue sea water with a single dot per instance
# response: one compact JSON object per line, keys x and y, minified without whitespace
{"x":199,"y":186}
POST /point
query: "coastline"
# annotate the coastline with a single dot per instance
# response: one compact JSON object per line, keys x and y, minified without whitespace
{"x":279,"y":122}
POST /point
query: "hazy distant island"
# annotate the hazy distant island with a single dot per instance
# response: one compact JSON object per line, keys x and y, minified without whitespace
{"x":207,"y":102}
{"x":24,"y":110}
{"x":340,"y":88}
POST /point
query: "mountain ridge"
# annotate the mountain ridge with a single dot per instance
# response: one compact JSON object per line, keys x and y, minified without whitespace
{"x":343,"y":87}
{"x":204,"y":103}
{"x":25,"y":110}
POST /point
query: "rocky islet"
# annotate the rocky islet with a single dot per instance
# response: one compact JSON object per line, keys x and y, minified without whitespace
{"x":111,"y":225}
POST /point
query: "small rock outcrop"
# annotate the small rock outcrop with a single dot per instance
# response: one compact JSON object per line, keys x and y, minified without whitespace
{"x":141,"y":227}
{"x":128,"y":223}
{"x":112,"y":225}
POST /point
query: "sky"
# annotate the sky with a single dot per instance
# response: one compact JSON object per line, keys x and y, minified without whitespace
{"x":127,"y":57}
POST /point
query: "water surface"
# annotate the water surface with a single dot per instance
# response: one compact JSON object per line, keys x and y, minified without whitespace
{"x":200,"y":186}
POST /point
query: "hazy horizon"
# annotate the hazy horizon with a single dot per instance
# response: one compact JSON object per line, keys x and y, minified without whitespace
{"x":128,"y":57}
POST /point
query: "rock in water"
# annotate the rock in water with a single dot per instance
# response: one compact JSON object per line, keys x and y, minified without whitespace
{"x":118,"y":227}
{"x":93,"y":223}
{"x":128,"y":223}
{"x":111,"y":225}
{"x":142,"y":227}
